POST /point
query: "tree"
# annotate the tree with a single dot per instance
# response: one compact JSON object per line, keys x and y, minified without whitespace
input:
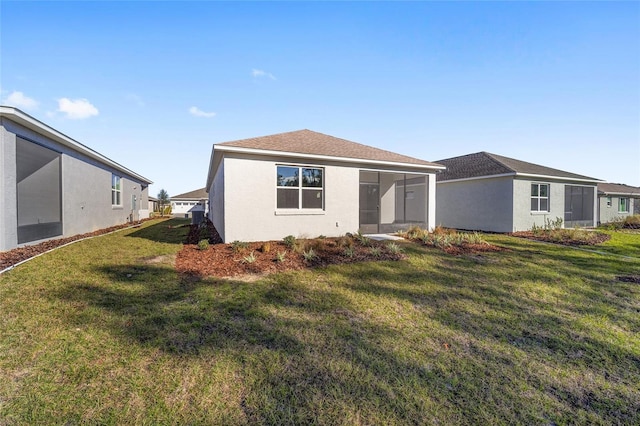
{"x":163,"y":200}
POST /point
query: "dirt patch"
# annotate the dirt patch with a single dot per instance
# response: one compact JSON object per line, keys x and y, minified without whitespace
{"x":262,"y":258}
{"x":166,"y":259}
{"x":629,"y":279}
{"x":17,"y":255}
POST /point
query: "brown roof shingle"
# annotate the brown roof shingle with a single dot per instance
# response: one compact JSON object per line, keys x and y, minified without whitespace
{"x":308,"y":142}
{"x":618,"y":188}
{"x":486,"y":164}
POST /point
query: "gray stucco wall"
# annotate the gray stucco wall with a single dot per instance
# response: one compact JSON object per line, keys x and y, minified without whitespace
{"x":483,"y":204}
{"x":611,"y":213}
{"x":216,"y":200}
{"x":86,"y":188}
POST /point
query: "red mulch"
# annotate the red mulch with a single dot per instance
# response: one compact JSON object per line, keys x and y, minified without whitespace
{"x":17,"y":255}
{"x":222,"y":261}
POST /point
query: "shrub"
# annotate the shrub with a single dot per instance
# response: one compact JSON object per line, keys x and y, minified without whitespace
{"x":375,"y":251}
{"x":281,"y":255}
{"x":239,"y":246}
{"x":362,"y":239}
{"x":289,"y":241}
{"x":265,"y":248}
{"x":250,"y":258}
{"x":394,"y":248}
{"x":309,"y":255}
{"x":203,"y":244}
{"x":348,"y":251}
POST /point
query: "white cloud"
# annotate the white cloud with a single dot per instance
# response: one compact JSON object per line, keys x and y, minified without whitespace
{"x":19,"y":100}
{"x":197,"y":112}
{"x":260,"y":73}
{"x":77,"y":109}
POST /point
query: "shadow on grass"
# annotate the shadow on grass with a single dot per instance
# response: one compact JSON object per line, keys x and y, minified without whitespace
{"x":312,"y":354}
{"x":172,"y":231}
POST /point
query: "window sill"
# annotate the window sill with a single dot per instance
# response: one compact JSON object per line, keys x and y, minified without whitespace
{"x":299,"y":212}
{"x":539,"y":213}
{"x":117,"y":207}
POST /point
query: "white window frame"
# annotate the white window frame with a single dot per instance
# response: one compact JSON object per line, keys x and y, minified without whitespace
{"x":609,"y":202}
{"x":539,"y":197}
{"x":300,"y":189}
{"x":116,"y":190}
{"x":620,"y":205}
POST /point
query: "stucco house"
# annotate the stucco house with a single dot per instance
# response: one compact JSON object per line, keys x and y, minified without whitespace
{"x":617,"y":201}
{"x":489,"y":192}
{"x":306,"y":184}
{"x":183,"y":204}
{"x":53,"y":186}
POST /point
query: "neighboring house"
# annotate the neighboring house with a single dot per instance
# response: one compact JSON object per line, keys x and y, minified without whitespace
{"x":307,"y":184}
{"x":617,"y":201}
{"x":53,"y":186}
{"x":489,"y":192}
{"x":183,"y":204}
{"x":153,"y":204}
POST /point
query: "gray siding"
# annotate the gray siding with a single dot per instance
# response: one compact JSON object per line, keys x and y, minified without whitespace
{"x":482,"y":204}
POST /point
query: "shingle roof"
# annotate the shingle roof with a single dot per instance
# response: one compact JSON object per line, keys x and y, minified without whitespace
{"x":198,"y":194}
{"x":617,"y":188}
{"x":308,"y":142}
{"x":483,"y":164}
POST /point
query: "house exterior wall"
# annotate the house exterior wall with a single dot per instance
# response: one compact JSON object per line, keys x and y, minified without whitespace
{"x":249,"y":206}
{"x":524,"y":218}
{"x":216,"y":201}
{"x":85,"y":187}
{"x":610,"y":213}
{"x":481,"y":204}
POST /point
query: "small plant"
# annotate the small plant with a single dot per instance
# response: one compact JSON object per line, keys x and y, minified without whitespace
{"x":362,"y":239}
{"x":375,"y":251}
{"x":203,"y":244}
{"x":394,"y":248}
{"x":281,"y":256}
{"x":265,"y":247}
{"x":250,"y":258}
{"x":239,"y":246}
{"x":348,"y":251}
{"x":309,"y":255}
{"x":289,"y":241}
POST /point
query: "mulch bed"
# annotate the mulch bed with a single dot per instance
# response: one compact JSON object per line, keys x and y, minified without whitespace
{"x":629,"y":279}
{"x":595,"y":238}
{"x":17,"y":255}
{"x":221,"y":260}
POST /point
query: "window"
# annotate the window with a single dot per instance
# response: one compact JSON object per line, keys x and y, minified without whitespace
{"x":608,"y":201}
{"x":539,"y":197}
{"x":299,"y":187}
{"x":116,"y":190}
{"x":623,"y":205}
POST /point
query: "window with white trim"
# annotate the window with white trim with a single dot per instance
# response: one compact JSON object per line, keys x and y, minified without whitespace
{"x":116,"y":190}
{"x":539,"y":197}
{"x":608,"y":201}
{"x":299,"y":187}
{"x":623,"y":205}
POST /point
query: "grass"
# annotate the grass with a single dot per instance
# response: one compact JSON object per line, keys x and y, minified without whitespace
{"x":105,"y":331}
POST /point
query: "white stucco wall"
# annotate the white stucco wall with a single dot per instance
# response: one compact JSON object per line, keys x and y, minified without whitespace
{"x":249,"y":205}
{"x":482,"y":204}
{"x":8,"y":212}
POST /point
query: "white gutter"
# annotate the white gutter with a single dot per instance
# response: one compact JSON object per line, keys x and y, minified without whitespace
{"x":31,"y":123}
{"x":323,"y":157}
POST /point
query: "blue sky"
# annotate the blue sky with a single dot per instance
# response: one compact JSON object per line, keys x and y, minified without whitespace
{"x":153,"y":85}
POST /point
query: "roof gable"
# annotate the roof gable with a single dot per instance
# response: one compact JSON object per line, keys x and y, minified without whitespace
{"x":484,"y":164}
{"x":310,"y":143}
{"x":198,"y":194}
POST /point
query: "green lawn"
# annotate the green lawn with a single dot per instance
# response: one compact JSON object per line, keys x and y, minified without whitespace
{"x":106,"y":332}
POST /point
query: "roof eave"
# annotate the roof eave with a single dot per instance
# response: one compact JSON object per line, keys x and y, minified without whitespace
{"x":221,"y":148}
{"x":16,"y":115}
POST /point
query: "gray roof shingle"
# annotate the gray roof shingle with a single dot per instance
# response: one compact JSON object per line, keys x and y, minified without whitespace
{"x":308,"y":142}
{"x":198,"y":194}
{"x":481,"y":164}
